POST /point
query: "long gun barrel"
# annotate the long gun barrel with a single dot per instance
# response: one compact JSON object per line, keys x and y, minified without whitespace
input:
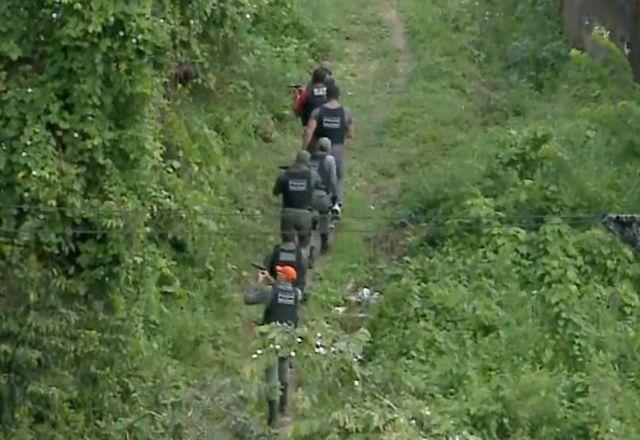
{"x":259,"y":266}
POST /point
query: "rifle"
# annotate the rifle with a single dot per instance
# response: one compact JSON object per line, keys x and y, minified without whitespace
{"x":259,"y":267}
{"x":264,"y":272}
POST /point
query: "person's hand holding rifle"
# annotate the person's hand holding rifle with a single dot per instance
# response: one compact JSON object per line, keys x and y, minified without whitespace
{"x":263,"y":275}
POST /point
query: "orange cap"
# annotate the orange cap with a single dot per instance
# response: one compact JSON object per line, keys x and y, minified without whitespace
{"x":288,"y":272}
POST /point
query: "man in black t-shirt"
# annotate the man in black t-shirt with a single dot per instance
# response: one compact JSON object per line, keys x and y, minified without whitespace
{"x":335,"y":122}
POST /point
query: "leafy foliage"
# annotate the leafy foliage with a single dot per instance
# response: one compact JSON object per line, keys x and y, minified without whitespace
{"x":513,"y":315}
{"x":126,"y":131}
{"x":136,"y":127}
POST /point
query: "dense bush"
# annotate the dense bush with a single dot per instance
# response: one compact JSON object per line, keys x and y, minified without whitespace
{"x":131,"y":140}
{"x":125,"y":129}
{"x":515,"y":312}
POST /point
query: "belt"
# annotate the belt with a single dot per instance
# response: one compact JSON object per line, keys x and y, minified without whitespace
{"x":308,"y":208}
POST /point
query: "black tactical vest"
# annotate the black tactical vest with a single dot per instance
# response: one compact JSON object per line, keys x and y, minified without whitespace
{"x":319,"y":165}
{"x":332,"y":123}
{"x":317,"y":98}
{"x":283,"y":307}
{"x":288,"y":257}
{"x":297,"y":191}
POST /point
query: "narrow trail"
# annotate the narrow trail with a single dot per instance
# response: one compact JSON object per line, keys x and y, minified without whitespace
{"x":376,"y":112}
{"x":399,"y":39}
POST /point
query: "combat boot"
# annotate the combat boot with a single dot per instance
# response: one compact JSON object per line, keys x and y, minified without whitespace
{"x":273,"y":413}
{"x":324,"y":243}
{"x":283,"y":398}
{"x":336,"y":211}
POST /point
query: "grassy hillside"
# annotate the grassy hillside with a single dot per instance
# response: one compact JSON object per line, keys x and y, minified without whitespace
{"x":132,"y":206}
{"x":512,"y":313}
{"x":133,"y":195}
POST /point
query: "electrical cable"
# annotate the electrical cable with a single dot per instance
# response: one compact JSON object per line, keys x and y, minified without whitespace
{"x":480,"y":225}
{"x":198,"y":209}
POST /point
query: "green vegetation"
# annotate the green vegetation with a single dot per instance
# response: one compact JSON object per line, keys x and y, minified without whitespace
{"x":512,"y":314}
{"x":120,"y":316}
{"x":507,"y":311}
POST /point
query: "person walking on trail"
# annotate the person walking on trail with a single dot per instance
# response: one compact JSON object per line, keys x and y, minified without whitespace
{"x":281,"y":300}
{"x":312,"y":96}
{"x":325,"y":165}
{"x":296,"y":185}
{"x":335,"y":122}
{"x":288,"y":253}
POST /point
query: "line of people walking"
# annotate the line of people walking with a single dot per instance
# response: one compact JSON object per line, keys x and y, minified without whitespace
{"x":312,"y":191}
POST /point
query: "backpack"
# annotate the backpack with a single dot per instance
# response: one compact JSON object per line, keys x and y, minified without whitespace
{"x":300,"y":102}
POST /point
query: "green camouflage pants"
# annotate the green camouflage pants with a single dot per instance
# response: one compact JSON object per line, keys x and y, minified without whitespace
{"x":322,"y":213}
{"x":297,"y":220}
{"x":339,"y":152}
{"x":277,"y":377}
{"x":324,"y":221}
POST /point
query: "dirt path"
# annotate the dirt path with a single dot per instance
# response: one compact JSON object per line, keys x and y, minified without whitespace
{"x":398,"y":37}
{"x":376,"y":115}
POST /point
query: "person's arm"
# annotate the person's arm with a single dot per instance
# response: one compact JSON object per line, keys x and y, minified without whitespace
{"x":277,"y":188}
{"x":263,"y":293}
{"x":300,"y":102}
{"x":258,"y":295}
{"x":351,"y":128}
{"x":311,"y":128}
{"x":316,"y":180}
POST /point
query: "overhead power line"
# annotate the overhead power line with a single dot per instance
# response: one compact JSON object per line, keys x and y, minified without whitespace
{"x":241,"y":213}
{"x":20,"y":234}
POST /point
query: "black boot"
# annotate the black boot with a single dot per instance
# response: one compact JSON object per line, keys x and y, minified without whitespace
{"x":283,"y":399}
{"x":273,"y":412}
{"x":324,"y":243}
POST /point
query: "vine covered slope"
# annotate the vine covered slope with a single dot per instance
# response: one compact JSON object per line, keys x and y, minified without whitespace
{"x":129,"y":136}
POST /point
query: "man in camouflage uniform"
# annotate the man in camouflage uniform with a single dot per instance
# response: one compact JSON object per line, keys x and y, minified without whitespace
{"x":281,"y":300}
{"x":288,"y":253}
{"x":626,"y":227}
{"x":296,"y":185}
{"x":325,"y":165}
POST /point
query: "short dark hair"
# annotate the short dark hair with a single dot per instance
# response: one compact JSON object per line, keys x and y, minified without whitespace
{"x":319,"y":75}
{"x":333,"y":91}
